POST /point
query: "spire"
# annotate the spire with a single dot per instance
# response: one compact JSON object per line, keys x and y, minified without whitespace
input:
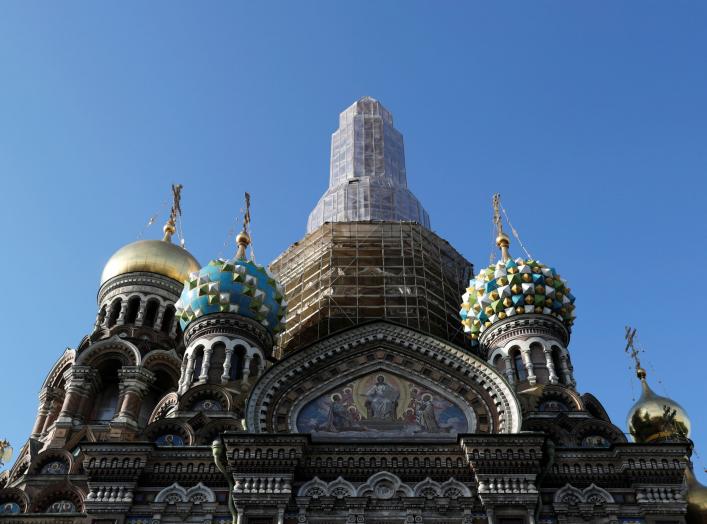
{"x":170,"y":227}
{"x":502,"y":240}
{"x":243,"y":238}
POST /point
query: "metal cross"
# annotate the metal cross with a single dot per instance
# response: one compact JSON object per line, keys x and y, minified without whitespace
{"x":246,"y":215}
{"x":631,"y":348}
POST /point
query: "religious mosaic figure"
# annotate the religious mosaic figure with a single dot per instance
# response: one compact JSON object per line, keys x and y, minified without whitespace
{"x":425,"y":414}
{"x":339,"y":418}
{"x":382,"y":400}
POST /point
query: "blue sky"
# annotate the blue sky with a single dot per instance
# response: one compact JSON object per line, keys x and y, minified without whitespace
{"x":590,"y":118}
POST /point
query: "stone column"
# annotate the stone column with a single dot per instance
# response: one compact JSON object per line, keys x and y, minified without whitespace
{"x":206,"y":364}
{"x":528,"y":365}
{"x":80,"y":384}
{"x":227,"y":366}
{"x":246,"y":367}
{"x":566,"y":371}
{"x":159,"y":317}
{"x":509,"y":369}
{"x":123,"y":311}
{"x":189,"y":373}
{"x":46,"y":403}
{"x":141,"y":313}
{"x":134,"y":384}
{"x":550,"y":366}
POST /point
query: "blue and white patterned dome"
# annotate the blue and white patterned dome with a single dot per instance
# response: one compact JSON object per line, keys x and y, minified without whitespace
{"x":236,"y":286}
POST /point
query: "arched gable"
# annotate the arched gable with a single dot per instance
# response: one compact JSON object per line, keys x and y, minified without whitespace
{"x":381,"y":348}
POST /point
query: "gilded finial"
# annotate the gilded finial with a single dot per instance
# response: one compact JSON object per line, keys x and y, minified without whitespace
{"x":170,"y":227}
{"x":633,"y":351}
{"x":502,"y":240}
{"x":243,"y":238}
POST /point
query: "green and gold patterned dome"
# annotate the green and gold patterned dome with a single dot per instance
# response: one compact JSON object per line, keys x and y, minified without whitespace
{"x":236,"y":286}
{"x":515,"y":287}
{"x":510,"y":287}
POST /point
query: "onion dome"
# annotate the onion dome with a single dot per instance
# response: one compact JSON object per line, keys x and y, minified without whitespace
{"x":236,"y":286}
{"x":696,"y":499}
{"x":515,"y":287}
{"x":656,"y":419}
{"x":154,"y":256}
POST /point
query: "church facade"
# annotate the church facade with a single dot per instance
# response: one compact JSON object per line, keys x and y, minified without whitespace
{"x":342,"y":384}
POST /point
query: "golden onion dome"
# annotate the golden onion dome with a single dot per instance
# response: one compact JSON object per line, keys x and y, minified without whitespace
{"x":656,"y":419}
{"x":696,"y":499}
{"x":152,"y":256}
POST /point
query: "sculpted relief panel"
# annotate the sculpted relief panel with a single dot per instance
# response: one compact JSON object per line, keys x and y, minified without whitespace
{"x":380,"y":405}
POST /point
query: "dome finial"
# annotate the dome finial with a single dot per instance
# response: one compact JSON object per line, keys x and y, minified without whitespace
{"x":502,"y":240}
{"x":243,"y":238}
{"x":170,"y":227}
{"x":633,"y":351}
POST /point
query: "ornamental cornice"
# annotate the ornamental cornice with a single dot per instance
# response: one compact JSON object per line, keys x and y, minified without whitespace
{"x":140,"y":280}
{"x":524,"y":326}
{"x":229,"y":324}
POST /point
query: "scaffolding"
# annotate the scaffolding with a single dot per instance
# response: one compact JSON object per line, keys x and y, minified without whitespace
{"x":346,"y":273}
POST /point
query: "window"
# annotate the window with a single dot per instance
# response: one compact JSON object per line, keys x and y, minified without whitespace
{"x":167,"y":320}
{"x":151,"y":313}
{"x":133,"y":309}
{"x":114,"y":312}
{"x":519,"y":366}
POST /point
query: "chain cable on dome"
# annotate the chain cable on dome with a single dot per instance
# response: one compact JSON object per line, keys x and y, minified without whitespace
{"x":514,"y":231}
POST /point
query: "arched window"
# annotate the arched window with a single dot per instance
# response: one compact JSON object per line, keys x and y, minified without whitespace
{"x":499,"y":364}
{"x":133,"y":309}
{"x":556,"y":363}
{"x":537,"y":357}
{"x":518,"y":365}
{"x":218,"y":357}
{"x":198,"y":361}
{"x":151,"y":313}
{"x":255,"y":366}
{"x":102,"y":315}
{"x":106,"y":401}
{"x":114,"y":312}
{"x":237,"y":362}
{"x":167,"y":320}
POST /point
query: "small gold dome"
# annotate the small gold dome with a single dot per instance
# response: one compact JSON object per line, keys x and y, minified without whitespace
{"x":654,"y":418}
{"x":153,"y":256}
{"x":696,"y":499}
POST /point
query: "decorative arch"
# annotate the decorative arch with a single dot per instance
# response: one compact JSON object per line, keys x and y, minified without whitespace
{"x":42,"y":463}
{"x":314,"y":488}
{"x":552,"y":392}
{"x":592,"y":494}
{"x":384,"y":485}
{"x":340,"y":489}
{"x":165,"y":405}
{"x":583,"y":432}
{"x":55,"y":376}
{"x":176,"y":493}
{"x":16,"y":496}
{"x":428,"y":489}
{"x":189,"y":400}
{"x":126,"y":352}
{"x":456,"y":374}
{"x":165,"y":427}
{"x":59,"y":493}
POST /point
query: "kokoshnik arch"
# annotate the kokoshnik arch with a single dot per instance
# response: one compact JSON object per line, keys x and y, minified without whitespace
{"x":341,"y":384}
